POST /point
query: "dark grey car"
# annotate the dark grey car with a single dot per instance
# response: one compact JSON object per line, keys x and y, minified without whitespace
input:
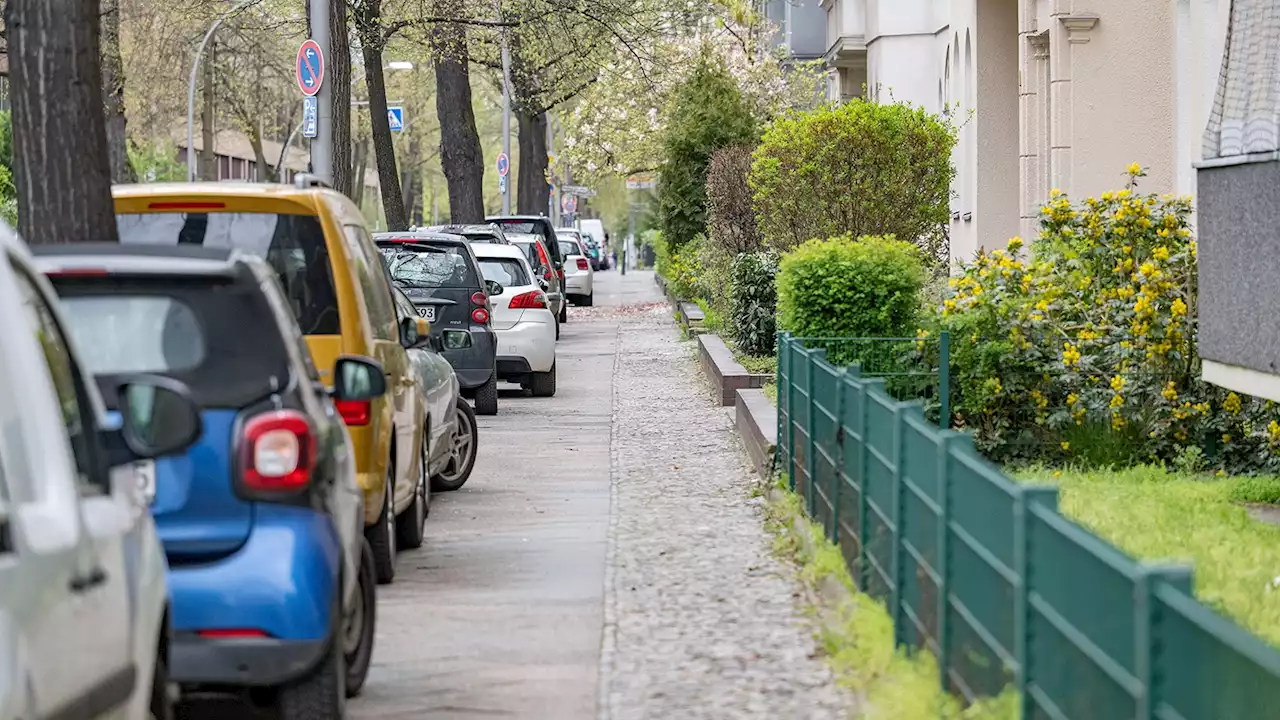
{"x":483,"y":233}
{"x":442,"y":279}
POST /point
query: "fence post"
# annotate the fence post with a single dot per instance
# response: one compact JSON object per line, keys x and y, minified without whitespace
{"x":1147,"y":644}
{"x":864,"y":462}
{"x":944,"y":379}
{"x":946,"y":442}
{"x":791,"y":421}
{"x":784,"y":407}
{"x":1028,"y":495}
{"x":899,"y":512}
{"x":810,"y":462}
{"x":837,"y":480}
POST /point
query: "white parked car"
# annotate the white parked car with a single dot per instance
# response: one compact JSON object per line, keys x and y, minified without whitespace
{"x":579,"y":278}
{"x":84,"y":625}
{"x":522,"y":319}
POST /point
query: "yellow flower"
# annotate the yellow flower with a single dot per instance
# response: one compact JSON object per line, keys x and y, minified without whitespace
{"x":1117,"y":401}
{"x":1057,"y":473}
{"x":1070,"y":355}
{"x":1073,"y":398}
{"x":1054,"y":193}
{"x":1232,"y":404}
{"x":1169,"y":392}
{"x":1160,"y":253}
{"x":1134,"y":169}
{"x":1117,"y":383}
{"x":1178,"y":308}
{"x":1066,"y":445}
{"x":1273,"y":433}
{"x":1042,"y":306}
{"x":1226,"y":438}
{"x":1221,"y":473}
{"x":1015,"y":244}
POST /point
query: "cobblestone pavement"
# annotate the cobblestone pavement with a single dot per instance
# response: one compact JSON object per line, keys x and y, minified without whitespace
{"x":701,"y":620}
{"x":605,"y":561}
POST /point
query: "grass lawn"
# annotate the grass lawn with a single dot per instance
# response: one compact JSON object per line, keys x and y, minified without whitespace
{"x":1155,"y":514}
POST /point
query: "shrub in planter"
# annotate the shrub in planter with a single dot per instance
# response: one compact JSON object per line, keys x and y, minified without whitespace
{"x":684,"y":267}
{"x":1084,"y":350}
{"x":715,"y":281}
{"x":753,"y":316}
{"x":846,"y":288}
{"x":861,"y":168}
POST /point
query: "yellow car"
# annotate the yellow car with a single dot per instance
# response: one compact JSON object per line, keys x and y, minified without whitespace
{"x":334,"y":279}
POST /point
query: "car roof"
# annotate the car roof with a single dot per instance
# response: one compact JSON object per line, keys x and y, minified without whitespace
{"x":419,"y":235}
{"x":494,"y":250}
{"x":525,"y":238}
{"x":187,"y":260}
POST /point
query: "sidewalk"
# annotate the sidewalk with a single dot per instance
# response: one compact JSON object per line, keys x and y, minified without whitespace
{"x":701,"y":621}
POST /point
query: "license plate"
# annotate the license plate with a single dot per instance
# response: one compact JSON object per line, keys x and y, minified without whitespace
{"x":145,"y":476}
{"x":428,"y":312}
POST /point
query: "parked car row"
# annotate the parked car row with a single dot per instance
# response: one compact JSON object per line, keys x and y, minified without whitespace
{"x":496,"y":295}
{"x":214,"y":438}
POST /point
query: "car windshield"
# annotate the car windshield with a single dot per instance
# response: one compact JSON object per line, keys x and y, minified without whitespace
{"x":293,"y":244}
{"x":507,"y":272}
{"x":220,"y":340}
{"x":569,"y":247}
{"x":429,"y":266}
{"x":530,"y":227}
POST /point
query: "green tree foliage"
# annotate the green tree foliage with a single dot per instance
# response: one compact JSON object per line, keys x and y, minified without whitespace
{"x":861,"y":168}
{"x":156,"y":162}
{"x":8,"y":193}
{"x":754,"y":301}
{"x":846,"y":288}
{"x":708,"y":113}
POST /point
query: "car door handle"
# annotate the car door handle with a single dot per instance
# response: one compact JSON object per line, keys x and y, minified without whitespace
{"x":88,"y":581}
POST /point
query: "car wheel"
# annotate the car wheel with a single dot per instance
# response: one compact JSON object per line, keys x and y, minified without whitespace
{"x":409,"y":525}
{"x":487,"y":397}
{"x":358,"y":625}
{"x":161,"y":698}
{"x":463,"y":444}
{"x":543,"y":384}
{"x":382,"y":536}
{"x":588,"y":300}
{"x":320,"y":695}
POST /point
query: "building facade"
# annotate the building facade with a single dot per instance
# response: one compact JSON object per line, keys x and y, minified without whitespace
{"x":1046,"y":93}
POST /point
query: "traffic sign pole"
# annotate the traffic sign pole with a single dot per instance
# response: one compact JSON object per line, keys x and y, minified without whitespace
{"x":322,"y":145}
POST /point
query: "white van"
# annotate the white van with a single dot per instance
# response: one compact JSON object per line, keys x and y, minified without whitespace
{"x":595,"y":229}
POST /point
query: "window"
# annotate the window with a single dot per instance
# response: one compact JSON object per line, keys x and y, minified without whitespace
{"x":373,"y":283}
{"x":430,"y":266}
{"x":62,"y":371}
{"x":569,"y":247}
{"x":164,"y":334}
{"x":294,"y":245}
{"x":507,"y":272}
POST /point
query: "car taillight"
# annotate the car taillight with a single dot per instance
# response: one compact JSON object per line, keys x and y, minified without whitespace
{"x":355,"y":412}
{"x":532,"y":300}
{"x":480,"y":315}
{"x":478,"y":299}
{"x":582,"y":263}
{"x":278,"y":452}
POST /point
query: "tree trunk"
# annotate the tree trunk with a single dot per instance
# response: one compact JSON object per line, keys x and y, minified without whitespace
{"x":113,"y":94}
{"x":208,"y":160}
{"x":533,"y":194}
{"x":62,"y":170}
{"x":413,"y":183}
{"x":461,"y":157}
{"x":260,"y":156}
{"x":369,"y":25}
{"x":339,"y":80}
{"x":361,"y":162}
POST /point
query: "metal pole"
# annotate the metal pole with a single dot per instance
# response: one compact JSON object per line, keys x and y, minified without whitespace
{"x":322,"y":143}
{"x":506,"y":114}
{"x":631,"y":231}
{"x":553,"y":208}
{"x":191,"y":89}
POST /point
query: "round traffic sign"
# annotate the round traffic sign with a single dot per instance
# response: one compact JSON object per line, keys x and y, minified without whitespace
{"x":504,"y":164}
{"x":309,"y":68}
{"x":569,"y":204}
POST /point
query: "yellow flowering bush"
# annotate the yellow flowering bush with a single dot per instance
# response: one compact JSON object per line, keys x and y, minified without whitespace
{"x":1083,"y":346}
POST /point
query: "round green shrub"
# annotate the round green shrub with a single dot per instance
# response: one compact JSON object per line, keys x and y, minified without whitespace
{"x":842,"y":287}
{"x":754,"y":301}
{"x":861,"y":168}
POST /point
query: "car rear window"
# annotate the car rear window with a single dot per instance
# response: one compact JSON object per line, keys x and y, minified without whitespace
{"x":293,"y":244}
{"x":569,"y":247}
{"x":429,"y":266}
{"x":507,"y":272}
{"x":218,"y":337}
{"x":520,"y":226}
{"x":481,"y":237}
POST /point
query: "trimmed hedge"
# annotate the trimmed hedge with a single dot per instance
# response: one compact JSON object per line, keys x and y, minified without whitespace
{"x":846,"y":288}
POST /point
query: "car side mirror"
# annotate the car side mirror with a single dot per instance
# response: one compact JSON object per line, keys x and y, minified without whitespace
{"x":158,"y":416}
{"x":493,"y":287}
{"x":437,"y":343}
{"x":414,"y":332}
{"x":542,"y":283}
{"x":358,"y":378}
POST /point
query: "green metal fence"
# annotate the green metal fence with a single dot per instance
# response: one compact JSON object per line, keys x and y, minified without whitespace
{"x":986,"y":574}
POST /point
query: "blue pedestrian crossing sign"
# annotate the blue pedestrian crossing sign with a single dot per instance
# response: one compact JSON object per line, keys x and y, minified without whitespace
{"x":395,"y":114}
{"x":310,"y":117}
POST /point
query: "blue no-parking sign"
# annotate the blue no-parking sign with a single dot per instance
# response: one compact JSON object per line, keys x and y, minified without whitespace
{"x":395,"y":114}
{"x":309,"y":68}
{"x":504,"y":164}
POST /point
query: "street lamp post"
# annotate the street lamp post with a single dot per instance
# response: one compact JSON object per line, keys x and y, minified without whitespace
{"x":191,"y":88}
